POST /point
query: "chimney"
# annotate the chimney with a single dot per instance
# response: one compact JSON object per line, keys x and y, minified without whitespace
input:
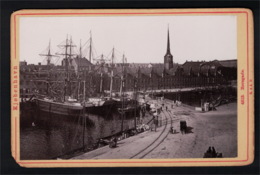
{"x":39,"y":63}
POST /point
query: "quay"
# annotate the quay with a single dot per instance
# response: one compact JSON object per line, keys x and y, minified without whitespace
{"x":89,"y":101}
{"x":204,"y":129}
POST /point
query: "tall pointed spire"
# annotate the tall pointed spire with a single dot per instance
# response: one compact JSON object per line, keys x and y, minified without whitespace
{"x":168,"y":58}
{"x":168,"y":41}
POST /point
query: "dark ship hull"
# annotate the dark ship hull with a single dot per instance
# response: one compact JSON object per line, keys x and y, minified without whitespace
{"x":65,"y":108}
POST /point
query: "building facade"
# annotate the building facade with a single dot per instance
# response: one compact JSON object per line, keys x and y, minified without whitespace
{"x":131,"y":77}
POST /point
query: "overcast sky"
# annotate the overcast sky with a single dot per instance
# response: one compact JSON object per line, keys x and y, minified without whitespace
{"x":143,"y":39}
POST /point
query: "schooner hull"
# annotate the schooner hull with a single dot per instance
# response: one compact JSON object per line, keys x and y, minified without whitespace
{"x":59,"y":108}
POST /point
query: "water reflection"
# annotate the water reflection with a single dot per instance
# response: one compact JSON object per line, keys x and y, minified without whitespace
{"x":55,"y":135}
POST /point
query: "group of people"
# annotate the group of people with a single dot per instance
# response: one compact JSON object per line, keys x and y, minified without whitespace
{"x":211,"y":153}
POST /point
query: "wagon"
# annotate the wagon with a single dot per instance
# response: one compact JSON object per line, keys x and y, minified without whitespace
{"x":113,"y":142}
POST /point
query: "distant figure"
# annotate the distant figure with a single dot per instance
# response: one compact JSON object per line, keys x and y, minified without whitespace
{"x":214,"y":153}
{"x":209,"y":150}
{"x":166,"y":108}
{"x":171,"y":130}
{"x":211,"y":153}
{"x":33,"y":124}
{"x":113,"y":142}
{"x":155,"y":121}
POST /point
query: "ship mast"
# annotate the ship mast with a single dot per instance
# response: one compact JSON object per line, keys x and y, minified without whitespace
{"x":122,"y":93}
{"x":113,"y":56}
{"x":67,"y":59}
{"x":66,"y":68}
{"x":112,"y":73}
{"x":90,"y":47}
{"x":80,"y":50}
{"x":101,"y":83}
{"x":111,"y":83}
{"x":122,"y":76}
{"x":48,"y":55}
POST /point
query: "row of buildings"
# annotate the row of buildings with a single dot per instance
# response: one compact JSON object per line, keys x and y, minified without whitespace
{"x":97,"y":79}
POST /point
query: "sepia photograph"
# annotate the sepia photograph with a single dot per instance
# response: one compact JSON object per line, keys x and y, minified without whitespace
{"x":148,"y":87}
{"x":153,"y":87}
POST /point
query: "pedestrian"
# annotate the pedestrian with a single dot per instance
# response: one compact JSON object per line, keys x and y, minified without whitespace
{"x":166,"y":108}
{"x":171,"y":130}
{"x":155,"y":121}
{"x":209,"y":150}
{"x":214,"y":153}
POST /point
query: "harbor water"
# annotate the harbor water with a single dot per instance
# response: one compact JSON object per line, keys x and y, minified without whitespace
{"x":48,"y":136}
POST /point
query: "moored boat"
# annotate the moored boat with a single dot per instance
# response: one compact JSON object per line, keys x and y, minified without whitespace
{"x":62,"y":108}
{"x":65,"y":105}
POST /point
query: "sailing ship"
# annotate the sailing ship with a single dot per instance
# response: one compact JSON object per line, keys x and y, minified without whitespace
{"x":126,"y":105}
{"x":66,"y":105}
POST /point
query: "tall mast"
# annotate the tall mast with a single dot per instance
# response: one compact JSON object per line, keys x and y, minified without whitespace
{"x":122,"y":94}
{"x":66,"y":67}
{"x":101,"y":83}
{"x":84,"y":90}
{"x":113,"y":56}
{"x":67,"y":60}
{"x":80,"y":50}
{"x":111,"y":83}
{"x":90,"y":47}
{"x":70,"y":58}
{"x":70,"y":45}
{"x":122,"y":76}
{"x":48,"y":55}
{"x":66,"y":56}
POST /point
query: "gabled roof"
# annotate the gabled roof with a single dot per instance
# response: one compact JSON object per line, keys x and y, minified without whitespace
{"x":82,"y":62}
{"x":192,"y":65}
{"x":146,"y":71}
{"x":173,"y":69}
{"x":228,"y":63}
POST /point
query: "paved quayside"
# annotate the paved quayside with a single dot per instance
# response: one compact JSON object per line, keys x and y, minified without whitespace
{"x":214,"y":128}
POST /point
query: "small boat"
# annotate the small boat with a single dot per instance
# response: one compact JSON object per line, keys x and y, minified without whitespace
{"x":62,"y":108}
{"x":127,"y":109}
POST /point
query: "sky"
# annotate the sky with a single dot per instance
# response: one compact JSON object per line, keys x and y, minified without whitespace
{"x":143,"y":39}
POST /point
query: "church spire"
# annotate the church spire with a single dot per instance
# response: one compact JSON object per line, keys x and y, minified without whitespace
{"x":168,"y":42}
{"x":168,"y":58}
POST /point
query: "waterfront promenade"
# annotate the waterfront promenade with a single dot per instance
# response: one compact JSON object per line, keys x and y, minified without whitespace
{"x":213,"y":128}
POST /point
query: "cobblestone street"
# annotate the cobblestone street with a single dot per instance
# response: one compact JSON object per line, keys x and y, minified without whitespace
{"x":213,"y":128}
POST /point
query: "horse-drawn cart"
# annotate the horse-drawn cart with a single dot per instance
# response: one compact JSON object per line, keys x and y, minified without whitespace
{"x":183,"y":126}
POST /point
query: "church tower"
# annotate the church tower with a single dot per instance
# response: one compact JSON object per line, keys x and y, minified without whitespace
{"x":168,"y":58}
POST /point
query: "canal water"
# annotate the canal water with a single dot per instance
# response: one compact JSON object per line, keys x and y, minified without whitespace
{"x":45,"y":136}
